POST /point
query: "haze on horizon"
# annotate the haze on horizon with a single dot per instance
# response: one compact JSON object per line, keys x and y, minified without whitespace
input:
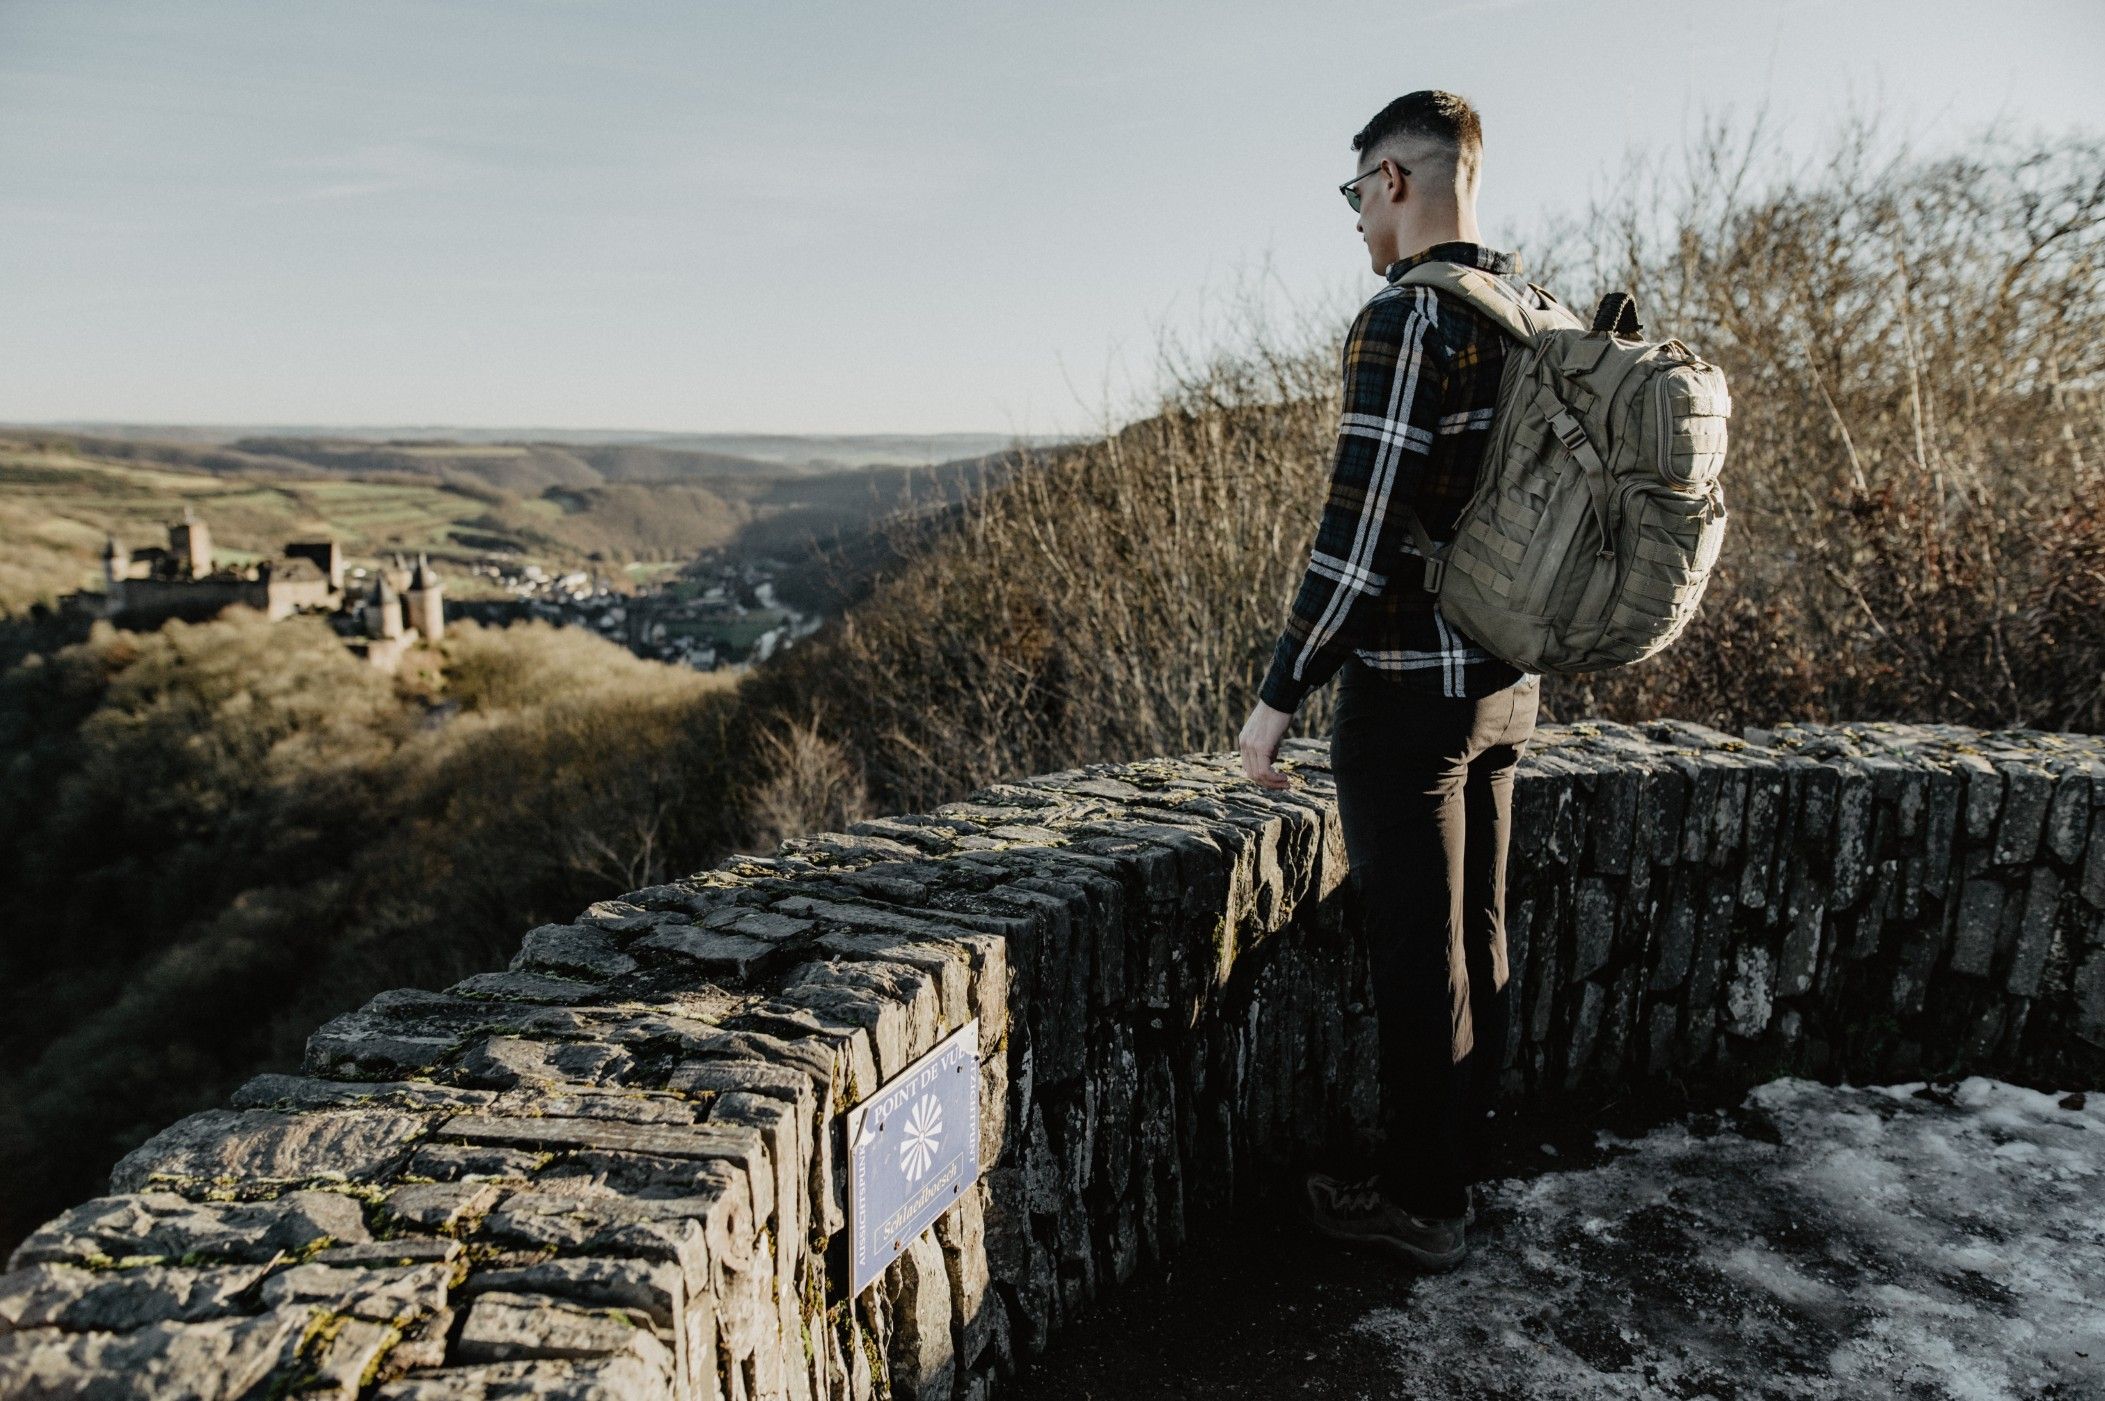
{"x":920,"y":218}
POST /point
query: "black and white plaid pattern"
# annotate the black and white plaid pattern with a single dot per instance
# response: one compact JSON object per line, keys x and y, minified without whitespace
{"x":1421,"y":384}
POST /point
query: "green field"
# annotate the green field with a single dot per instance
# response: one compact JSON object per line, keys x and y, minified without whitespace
{"x":737,"y":633}
{"x":56,"y":509}
{"x":58,"y":504}
{"x":60,"y":494}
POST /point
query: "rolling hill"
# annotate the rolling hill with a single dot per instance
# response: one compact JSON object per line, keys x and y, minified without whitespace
{"x":61,"y":493}
{"x":615,"y":454}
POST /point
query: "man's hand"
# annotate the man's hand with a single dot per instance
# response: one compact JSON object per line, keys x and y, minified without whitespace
{"x":1259,"y":743}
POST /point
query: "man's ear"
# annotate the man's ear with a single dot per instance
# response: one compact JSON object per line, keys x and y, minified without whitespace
{"x":1392,"y":180}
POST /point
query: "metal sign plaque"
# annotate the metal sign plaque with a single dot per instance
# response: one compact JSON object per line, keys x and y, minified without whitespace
{"x":913,"y":1148}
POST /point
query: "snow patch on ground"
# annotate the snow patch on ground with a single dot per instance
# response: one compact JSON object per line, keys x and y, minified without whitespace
{"x":1915,"y":1240}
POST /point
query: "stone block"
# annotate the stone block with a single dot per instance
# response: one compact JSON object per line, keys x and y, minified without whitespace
{"x":379,"y":1294}
{"x":1549,"y":982}
{"x":1707,"y":782}
{"x":1593,"y":925}
{"x":1749,"y":993}
{"x":1518,"y":929}
{"x":2068,"y":817}
{"x":440,"y":1206}
{"x":1818,"y":787}
{"x":947,"y":964}
{"x":1612,"y":1049}
{"x":718,"y":953}
{"x":1585,"y":1028}
{"x":1806,"y":910}
{"x":1984,"y":793}
{"x":1764,"y":829}
{"x":1728,"y":809}
{"x":1850,"y":856}
{"x":518,"y":1327}
{"x":1662,"y":1022}
{"x":1983,"y":1030}
{"x":2035,"y":934}
{"x":396,"y":1250}
{"x":1698,"y":1042}
{"x":1911,"y":798}
{"x":1946,"y":791}
{"x":257,"y":1145}
{"x":1714,"y":931}
{"x":735,"y":1146}
{"x":2024,"y":814}
{"x":1661,"y":805}
{"x":117,"y":1301}
{"x":1562,"y":822}
{"x":702,"y":1235}
{"x":162,"y":1225}
{"x":1674,"y":945}
{"x":1876,"y":911}
{"x":2088,"y":987}
{"x":890,"y":1026}
{"x":287,"y":1093}
{"x":504,"y":1062}
{"x":2093,"y":878}
{"x":580,"y":949}
{"x":1614,"y":823}
{"x":527,"y":987}
{"x":654,"y":1288}
{"x":1980,"y":913}
{"x":216,"y":1360}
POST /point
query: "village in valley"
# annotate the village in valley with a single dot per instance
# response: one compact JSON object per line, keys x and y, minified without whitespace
{"x":711,"y":613}
{"x":716,"y":611}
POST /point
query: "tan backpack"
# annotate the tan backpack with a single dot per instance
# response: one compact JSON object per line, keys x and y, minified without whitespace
{"x":1597,"y":515}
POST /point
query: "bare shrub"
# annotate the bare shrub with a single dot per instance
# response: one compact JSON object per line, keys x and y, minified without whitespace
{"x":806,"y":783}
{"x":1915,"y":346}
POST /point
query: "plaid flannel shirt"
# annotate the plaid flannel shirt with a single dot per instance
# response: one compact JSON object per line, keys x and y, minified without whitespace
{"x":1421,"y":381}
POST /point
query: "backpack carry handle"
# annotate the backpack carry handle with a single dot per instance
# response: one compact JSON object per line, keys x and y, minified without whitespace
{"x":1617,"y":315}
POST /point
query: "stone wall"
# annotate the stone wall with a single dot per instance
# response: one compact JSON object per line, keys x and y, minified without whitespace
{"x":616,"y":1169}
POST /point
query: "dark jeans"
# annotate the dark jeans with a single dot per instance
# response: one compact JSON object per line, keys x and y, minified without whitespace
{"x":1425,"y":795}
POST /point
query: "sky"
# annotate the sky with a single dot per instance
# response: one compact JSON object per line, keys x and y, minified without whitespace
{"x":736,"y":216}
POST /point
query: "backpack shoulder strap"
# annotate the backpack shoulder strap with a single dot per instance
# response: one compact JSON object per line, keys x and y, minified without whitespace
{"x":1488,"y":294}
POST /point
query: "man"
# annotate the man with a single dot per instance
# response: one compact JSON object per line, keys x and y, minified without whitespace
{"x":1428,"y":726}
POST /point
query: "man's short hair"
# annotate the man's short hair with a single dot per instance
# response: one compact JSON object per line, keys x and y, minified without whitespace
{"x":1443,"y":118}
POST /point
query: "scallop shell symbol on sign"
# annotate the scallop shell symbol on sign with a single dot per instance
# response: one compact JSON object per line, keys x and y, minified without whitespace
{"x":924,"y":1129}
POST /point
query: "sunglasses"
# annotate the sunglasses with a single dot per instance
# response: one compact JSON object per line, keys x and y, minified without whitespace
{"x":1350,"y":189}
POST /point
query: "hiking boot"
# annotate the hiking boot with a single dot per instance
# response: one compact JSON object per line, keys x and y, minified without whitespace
{"x":1357,"y":1211}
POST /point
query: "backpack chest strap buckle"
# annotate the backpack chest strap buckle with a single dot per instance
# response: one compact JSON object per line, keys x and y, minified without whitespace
{"x":1569,"y":431}
{"x":1435,"y":561}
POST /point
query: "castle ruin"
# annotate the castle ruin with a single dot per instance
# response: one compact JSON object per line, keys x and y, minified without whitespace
{"x":145,"y":588}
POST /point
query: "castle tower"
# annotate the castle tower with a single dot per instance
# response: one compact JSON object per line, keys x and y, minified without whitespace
{"x":383,"y":609}
{"x":328,"y":556}
{"x":427,"y":603}
{"x":190,"y":542}
{"x":116,"y":566}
